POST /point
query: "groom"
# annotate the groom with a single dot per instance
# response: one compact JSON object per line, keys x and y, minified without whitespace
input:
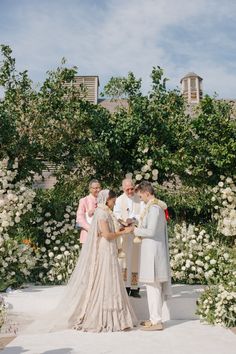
{"x":154,"y":260}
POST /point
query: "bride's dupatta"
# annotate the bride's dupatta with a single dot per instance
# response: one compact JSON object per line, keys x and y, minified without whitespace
{"x":73,"y":304}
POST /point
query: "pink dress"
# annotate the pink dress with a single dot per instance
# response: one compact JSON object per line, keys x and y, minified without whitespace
{"x":86,"y":205}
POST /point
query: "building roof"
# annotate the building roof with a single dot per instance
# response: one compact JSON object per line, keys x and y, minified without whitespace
{"x":190,"y":74}
{"x":113,"y":105}
{"x":87,"y":76}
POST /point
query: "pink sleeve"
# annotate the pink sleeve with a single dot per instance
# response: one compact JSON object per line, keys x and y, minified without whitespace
{"x":80,"y":216}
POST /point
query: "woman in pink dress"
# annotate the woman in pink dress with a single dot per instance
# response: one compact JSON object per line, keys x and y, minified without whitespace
{"x":86,"y":209}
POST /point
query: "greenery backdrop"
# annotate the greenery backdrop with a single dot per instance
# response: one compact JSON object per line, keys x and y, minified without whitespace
{"x":190,"y":160}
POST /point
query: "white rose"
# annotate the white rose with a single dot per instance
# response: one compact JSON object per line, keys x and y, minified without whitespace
{"x":229,"y":180}
{"x":147,"y":176}
{"x":226,"y":256}
{"x":17,"y":219}
{"x":129,"y":175}
{"x":145,"y":168}
{"x":138,"y":177}
{"x":155,"y":172}
{"x":226,"y":222}
{"x":5,"y":223}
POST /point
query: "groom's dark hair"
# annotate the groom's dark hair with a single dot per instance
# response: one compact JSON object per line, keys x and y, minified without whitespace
{"x":145,"y":186}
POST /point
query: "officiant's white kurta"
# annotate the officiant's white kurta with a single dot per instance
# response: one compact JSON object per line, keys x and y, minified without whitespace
{"x":125,"y":208}
{"x":154,"y":259}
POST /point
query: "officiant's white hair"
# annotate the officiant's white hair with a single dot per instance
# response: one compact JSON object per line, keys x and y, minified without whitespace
{"x":127,"y":180}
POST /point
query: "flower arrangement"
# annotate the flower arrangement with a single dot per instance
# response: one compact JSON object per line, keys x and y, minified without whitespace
{"x":196,"y":258}
{"x":16,"y":261}
{"x":147,"y":172}
{"x":217,"y":305}
{"x":58,"y":247}
{"x":15,"y":197}
{"x":224,"y":201}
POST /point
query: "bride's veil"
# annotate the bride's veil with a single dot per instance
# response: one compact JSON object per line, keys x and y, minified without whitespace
{"x":72,"y":305}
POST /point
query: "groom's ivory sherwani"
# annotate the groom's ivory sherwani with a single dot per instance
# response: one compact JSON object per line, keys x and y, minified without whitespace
{"x":125,"y":208}
{"x":154,"y":259}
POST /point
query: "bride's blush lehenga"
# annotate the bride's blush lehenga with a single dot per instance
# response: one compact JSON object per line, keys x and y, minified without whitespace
{"x":95,"y":299}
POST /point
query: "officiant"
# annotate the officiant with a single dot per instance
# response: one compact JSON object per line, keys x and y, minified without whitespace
{"x":128,"y":206}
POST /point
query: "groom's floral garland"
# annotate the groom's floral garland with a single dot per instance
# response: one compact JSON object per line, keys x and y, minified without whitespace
{"x":152,"y":202}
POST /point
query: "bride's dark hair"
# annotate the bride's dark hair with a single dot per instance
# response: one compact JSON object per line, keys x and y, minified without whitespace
{"x":111,"y":195}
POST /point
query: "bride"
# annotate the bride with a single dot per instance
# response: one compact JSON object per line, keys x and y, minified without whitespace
{"x":95,"y":298}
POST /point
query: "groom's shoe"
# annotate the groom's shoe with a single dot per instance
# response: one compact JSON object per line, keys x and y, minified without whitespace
{"x":145,"y":323}
{"x":152,"y":327}
{"x":135,"y":293}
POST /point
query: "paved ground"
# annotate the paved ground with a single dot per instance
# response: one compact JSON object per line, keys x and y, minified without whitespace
{"x":183,"y":333}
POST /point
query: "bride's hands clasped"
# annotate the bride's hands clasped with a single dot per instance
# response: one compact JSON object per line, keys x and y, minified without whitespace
{"x":128,"y":229}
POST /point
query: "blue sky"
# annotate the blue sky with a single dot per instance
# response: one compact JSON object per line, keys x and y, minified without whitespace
{"x":112,"y":37}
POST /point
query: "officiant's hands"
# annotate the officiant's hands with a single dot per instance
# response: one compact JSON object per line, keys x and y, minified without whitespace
{"x":130,"y":221}
{"x":128,"y":229}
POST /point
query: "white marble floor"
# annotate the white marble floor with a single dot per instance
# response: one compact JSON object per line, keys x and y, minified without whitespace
{"x":183,"y":334}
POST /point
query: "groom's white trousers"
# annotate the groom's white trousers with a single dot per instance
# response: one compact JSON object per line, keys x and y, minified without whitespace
{"x":155,"y":301}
